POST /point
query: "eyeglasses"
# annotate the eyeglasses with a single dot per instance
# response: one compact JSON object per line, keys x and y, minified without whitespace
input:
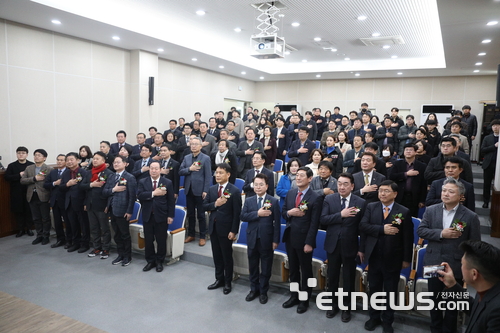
{"x":385,"y":191}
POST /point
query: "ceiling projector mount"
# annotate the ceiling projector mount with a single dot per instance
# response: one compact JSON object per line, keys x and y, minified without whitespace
{"x":266,"y":44}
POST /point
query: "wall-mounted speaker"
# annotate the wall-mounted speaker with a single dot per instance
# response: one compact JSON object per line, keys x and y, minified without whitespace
{"x":151,"y":90}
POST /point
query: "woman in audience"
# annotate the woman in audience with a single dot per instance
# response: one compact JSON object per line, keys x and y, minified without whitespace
{"x":85,"y":155}
{"x":170,"y":140}
{"x":260,"y":127}
{"x":334,"y":155}
{"x":375,"y":121}
{"x":388,"y":156}
{"x":422,"y":154}
{"x":264,"y":113}
{"x":125,"y":151}
{"x":315,"y":157}
{"x":328,"y":116}
{"x":287,"y":182}
{"x":270,"y":148}
{"x":343,"y":142}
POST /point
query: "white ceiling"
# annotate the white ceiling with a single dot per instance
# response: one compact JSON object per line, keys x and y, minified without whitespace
{"x":442,"y":38}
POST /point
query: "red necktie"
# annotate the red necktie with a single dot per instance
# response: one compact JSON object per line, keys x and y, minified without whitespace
{"x":297,"y":200}
{"x":154,"y":185}
{"x":220,"y":191}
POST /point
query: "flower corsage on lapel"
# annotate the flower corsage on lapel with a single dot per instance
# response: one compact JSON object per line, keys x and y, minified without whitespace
{"x":102,"y":177}
{"x":197,"y":164}
{"x":162,"y":187}
{"x":122,"y":181}
{"x":303,"y":206}
{"x":79,"y":177}
{"x":397,"y":219}
{"x":226,"y":194}
{"x":267,"y":204}
{"x":458,"y":225}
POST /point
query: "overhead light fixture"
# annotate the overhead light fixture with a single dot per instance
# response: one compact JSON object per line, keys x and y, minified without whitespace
{"x":476,"y":71}
{"x":317,"y":39}
{"x":237,"y":29}
{"x":347,"y":59}
{"x":386,"y":47}
{"x":357,"y":74}
{"x":481,"y":54}
{"x":376,"y":34}
{"x":221,"y":67}
{"x":295,"y":24}
{"x":362,"y":17}
{"x":318,"y":75}
{"x":56,"y":21}
{"x":243,"y":73}
{"x":194,"y":59}
{"x":333,"y":50}
{"x":492,"y":23}
{"x":116,"y":38}
{"x":287,"y":52}
{"x":304,"y":60}
{"x":262,"y":78}
{"x":400,"y":73}
{"x":486,"y":41}
{"x":200,"y":12}
{"x":478,"y":63}
{"x":394,"y":57}
{"x":160,"y":50}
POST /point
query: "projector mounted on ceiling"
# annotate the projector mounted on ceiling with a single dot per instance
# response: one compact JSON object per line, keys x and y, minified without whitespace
{"x":267,"y":44}
{"x":383,"y":40}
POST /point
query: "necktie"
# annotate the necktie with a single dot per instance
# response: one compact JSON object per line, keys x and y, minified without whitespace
{"x":117,"y":177}
{"x":220,"y":191}
{"x":154,"y":185}
{"x":144,"y":163}
{"x":343,"y":203}
{"x":59,"y":173}
{"x":256,"y":172}
{"x":367,"y":181}
{"x":259,"y":202}
{"x":385,"y":140}
{"x":386,"y":212}
{"x":297,"y":200}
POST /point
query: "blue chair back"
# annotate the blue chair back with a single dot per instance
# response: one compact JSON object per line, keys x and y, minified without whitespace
{"x":181,"y":181}
{"x":242,"y":234}
{"x":416,"y":223}
{"x":278,"y":165}
{"x":319,"y":252}
{"x":239,"y":183}
{"x":179,"y":219}
{"x":421,"y":212}
{"x":136,"y":211}
{"x":318,"y":143}
{"x":420,"y":263}
{"x":281,"y":246}
{"x":181,"y":199}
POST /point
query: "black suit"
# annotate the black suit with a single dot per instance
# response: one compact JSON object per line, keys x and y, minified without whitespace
{"x":223,"y":220}
{"x":215,"y":133}
{"x":301,"y":231}
{"x":57,"y":202}
{"x":262,"y":232}
{"x":385,"y":253}
{"x":136,"y":153}
{"x":155,"y":213}
{"x":381,"y":136}
{"x":173,"y":173}
{"x":283,"y":143}
{"x":415,"y":194}
{"x":247,"y":187}
{"x":434,"y":194}
{"x":435,"y":170}
{"x":115,"y":148}
{"x":380,"y":167}
{"x":359,"y":183}
{"x":303,"y":157}
{"x":489,"y":163}
{"x":137,"y":172}
{"x":341,"y":242}
{"x":230,"y":159}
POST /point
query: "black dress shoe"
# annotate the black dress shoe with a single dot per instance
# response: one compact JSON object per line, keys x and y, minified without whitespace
{"x":372,"y":324}
{"x":68,"y":245}
{"x":57,"y":244}
{"x":29,"y":232}
{"x":45,"y":241}
{"x":126,"y":261}
{"x":263,"y":298}
{"x":83,"y":249}
{"x":37,"y":240}
{"x":346,"y":316}
{"x":227,"y":288}
{"x":159,"y":267}
{"x":332,"y":313}
{"x":292,"y":301}
{"x":485,"y":205}
{"x":20,"y":233}
{"x":73,"y":248}
{"x":149,"y":266}
{"x":387,"y":328}
{"x":117,"y":261}
{"x":252,"y":295}
{"x":303,"y":307}
{"x":215,"y":285}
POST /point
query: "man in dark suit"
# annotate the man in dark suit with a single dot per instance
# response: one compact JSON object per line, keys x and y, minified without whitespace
{"x":453,"y":167}
{"x":121,"y":136}
{"x":258,"y":167}
{"x":156,"y":195}
{"x":105,"y":147}
{"x":320,"y":123}
{"x":96,"y":204}
{"x":380,"y":167}
{"x":353,"y":155}
{"x":141,"y":166}
{"x":262,"y":212}
{"x":280,"y":133}
{"x":324,"y":184}
{"x":57,"y":200}
{"x":387,"y":245}
{"x":121,"y":192}
{"x":435,"y":168}
{"x":223,"y":201}
{"x":311,"y":125}
{"x":367,"y":181}
{"x":341,"y":214}
{"x":387,"y":134}
{"x":38,"y":196}
{"x":481,"y":271}
{"x":489,"y":148}
{"x":224,"y":154}
{"x":208,"y":141}
{"x":71,"y":181}
{"x":301,"y":210}
{"x":172,"y":124}
{"x":293,"y":126}
{"x":152,"y":132}
{"x":170,"y":168}
{"x":234,"y":136}
{"x":357,"y":130}
{"x":441,"y":227}
{"x":408,"y":173}
{"x":245,"y":151}
{"x":136,"y":150}
{"x":302,"y":147}
{"x":196,"y":169}
{"x":212,"y":128}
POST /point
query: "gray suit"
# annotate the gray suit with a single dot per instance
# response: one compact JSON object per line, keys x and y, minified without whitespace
{"x":317,"y":185}
{"x":207,"y":150}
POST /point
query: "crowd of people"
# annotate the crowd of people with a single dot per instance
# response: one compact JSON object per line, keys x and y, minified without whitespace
{"x":351,"y":175}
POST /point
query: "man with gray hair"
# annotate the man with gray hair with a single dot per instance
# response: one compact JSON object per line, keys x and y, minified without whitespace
{"x":446,"y":225}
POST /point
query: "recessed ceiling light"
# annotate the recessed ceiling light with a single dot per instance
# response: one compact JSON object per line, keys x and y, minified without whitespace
{"x":386,"y":47}
{"x":287,"y":52}
{"x":56,"y":21}
{"x":317,"y":39}
{"x":194,"y":59}
{"x":479,"y":63}
{"x":243,"y":73}
{"x":347,"y":59}
{"x":262,"y":78}
{"x":362,"y":17}
{"x":161,"y":50}
{"x":237,"y":29}
{"x":200,"y":12}
{"x":116,"y":38}
{"x":486,"y":41}
{"x":357,"y":74}
{"x":281,"y":15}
{"x":400,"y":73}
{"x":476,"y":71}
{"x":333,"y":50}
{"x":481,"y":54}
{"x":394,"y":57}
{"x":304,"y":60}
{"x":376,"y":34}
{"x":295,"y":24}
{"x":221,"y":66}
{"x":318,"y":75}
{"x":492,"y":23}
